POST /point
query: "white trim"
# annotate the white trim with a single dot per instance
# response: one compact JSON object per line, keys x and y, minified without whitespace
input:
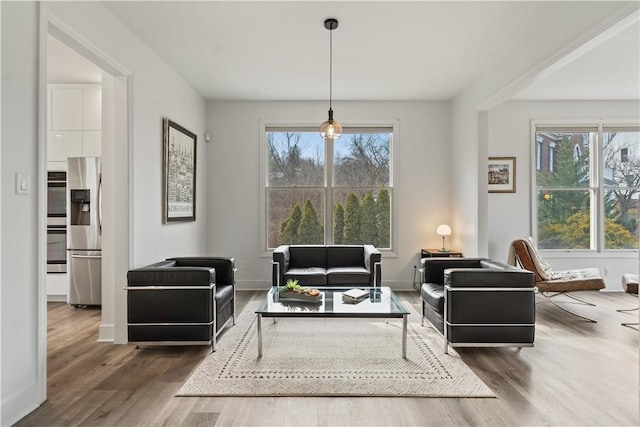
{"x":596,"y":188}
{"x":52,"y":25}
{"x":106,"y":333}
{"x":600,"y":32}
{"x":392,"y":124}
{"x":41,"y":357}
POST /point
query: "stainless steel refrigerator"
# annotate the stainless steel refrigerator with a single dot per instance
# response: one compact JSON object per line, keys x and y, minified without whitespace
{"x":84,"y":241}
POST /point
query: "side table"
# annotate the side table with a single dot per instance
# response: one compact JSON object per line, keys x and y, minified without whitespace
{"x":429,"y":253}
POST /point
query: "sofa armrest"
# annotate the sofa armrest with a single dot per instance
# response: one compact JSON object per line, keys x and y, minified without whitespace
{"x":488,"y":278}
{"x":280,"y":264}
{"x":171,"y":276}
{"x":373,"y":263}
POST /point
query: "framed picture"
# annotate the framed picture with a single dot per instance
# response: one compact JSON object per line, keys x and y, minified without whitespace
{"x":179,"y":173}
{"x":502,"y":174}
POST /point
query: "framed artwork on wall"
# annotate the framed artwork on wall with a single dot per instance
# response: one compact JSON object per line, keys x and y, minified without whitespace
{"x":502,"y":174}
{"x":179,"y":173}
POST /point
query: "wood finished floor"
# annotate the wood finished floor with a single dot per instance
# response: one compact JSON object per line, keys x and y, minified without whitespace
{"x":578,"y":373}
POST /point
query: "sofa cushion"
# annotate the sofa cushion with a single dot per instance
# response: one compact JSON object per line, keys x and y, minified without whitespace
{"x":433,"y":295}
{"x":310,"y":276}
{"x":307,"y":256}
{"x":348,"y":276}
{"x":345,"y":256}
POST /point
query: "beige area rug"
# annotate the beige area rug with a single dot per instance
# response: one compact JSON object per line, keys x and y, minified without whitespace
{"x":332,"y":357}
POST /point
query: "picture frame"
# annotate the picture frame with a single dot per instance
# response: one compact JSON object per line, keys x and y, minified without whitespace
{"x":179,"y":189}
{"x":501,"y":174}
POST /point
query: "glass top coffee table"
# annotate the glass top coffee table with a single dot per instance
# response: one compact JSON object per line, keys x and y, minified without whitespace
{"x":381,"y":303}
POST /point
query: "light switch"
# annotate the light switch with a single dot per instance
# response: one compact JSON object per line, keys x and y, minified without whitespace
{"x":22,"y":183}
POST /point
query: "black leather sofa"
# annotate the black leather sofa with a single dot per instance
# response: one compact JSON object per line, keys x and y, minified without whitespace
{"x":181,"y":301}
{"x":331,"y":265}
{"x":483,"y":303}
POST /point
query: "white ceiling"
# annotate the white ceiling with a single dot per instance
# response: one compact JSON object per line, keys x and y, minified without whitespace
{"x":383,"y":50}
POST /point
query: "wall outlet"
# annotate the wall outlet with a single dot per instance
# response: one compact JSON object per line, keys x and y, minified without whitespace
{"x":244,"y":265}
{"x":606,"y":271}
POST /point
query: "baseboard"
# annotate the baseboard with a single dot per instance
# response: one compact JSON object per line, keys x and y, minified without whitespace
{"x":56,"y":298}
{"x":21,"y":404}
{"x":106,"y":333}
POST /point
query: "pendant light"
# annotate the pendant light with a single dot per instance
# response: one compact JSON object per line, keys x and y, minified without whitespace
{"x":331,"y":129}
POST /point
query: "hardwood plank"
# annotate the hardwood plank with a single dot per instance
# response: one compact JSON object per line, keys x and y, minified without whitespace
{"x":578,"y":373}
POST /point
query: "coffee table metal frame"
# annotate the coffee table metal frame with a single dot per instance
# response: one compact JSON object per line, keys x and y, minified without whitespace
{"x":382,"y":303}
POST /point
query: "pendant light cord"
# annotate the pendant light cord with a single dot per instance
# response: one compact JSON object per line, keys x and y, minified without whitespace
{"x":330,"y":66}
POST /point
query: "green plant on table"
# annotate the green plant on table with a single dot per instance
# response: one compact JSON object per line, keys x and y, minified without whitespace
{"x":293,"y":285}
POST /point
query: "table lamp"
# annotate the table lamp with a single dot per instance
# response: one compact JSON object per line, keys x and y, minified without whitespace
{"x":443,"y":230}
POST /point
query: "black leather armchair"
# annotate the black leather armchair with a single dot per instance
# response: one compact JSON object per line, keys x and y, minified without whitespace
{"x":181,"y":301}
{"x":331,"y":265}
{"x":476,"y":302}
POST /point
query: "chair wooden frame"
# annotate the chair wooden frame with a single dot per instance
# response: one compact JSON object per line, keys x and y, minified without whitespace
{"x":523,"y":252}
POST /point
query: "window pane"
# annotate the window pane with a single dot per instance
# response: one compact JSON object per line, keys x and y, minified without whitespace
{"x":621,"y":176}
{"x":296,"y":159}
{"x":295,"y":216}
{"x":621,"y":157}
{"x":621,"y":219}
{"x":564,"y":159}
{"x":362,"y":160}
{"x":362,"y":217}
{"x":564,"y":219}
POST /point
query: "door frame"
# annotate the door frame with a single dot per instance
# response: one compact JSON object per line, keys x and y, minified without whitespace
{"x":113,"y":321}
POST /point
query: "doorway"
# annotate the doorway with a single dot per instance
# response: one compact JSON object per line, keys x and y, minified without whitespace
{"x":87,"y":70}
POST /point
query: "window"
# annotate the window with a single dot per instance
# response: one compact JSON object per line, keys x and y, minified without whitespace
{"x":621,"y":187}
{"x":589,"y":199}
{"x":328,"y":192}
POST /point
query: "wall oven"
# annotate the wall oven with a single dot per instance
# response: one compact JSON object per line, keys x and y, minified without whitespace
{"x":56,"y":222}
{"x":56,"y":248}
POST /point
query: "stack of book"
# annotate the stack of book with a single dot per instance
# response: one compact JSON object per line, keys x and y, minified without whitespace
{"x":354,"y":296}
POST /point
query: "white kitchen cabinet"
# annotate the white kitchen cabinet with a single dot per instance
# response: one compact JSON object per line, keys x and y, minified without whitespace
{"x":91,"y":143}
{"x":74,"y":120}
{"x":91,"y":109}
{"x":66,"y":109}
{"x":56,"y":287}
{"x":63,"y":144}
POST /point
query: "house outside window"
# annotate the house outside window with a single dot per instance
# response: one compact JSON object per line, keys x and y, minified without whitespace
{"x":590,"y":199}
{"x":328,"y":192}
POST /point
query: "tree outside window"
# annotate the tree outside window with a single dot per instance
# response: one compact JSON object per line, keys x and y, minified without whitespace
{"x":352,"y":206}
{"x":569,"y":193}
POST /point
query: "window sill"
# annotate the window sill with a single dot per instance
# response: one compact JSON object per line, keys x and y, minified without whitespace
{"x":558,"y":254}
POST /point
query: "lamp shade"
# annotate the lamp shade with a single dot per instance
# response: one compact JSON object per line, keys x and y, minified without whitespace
{"x":443,"y":230}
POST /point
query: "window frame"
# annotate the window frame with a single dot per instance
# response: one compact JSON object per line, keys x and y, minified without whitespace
{"x":328,"y":186}
{"x":596,"y":181}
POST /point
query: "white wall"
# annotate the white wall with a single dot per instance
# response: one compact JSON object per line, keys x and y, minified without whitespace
{"x":510,"y":213}
{"x":468,"y":116}
{"x":157,"y":92}
{"x":421,"y":186}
